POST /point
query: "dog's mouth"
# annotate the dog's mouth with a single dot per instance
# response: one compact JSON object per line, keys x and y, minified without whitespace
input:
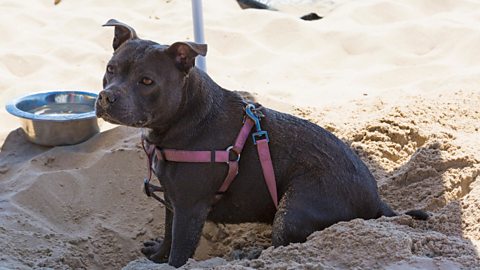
{"x":105,"y":115}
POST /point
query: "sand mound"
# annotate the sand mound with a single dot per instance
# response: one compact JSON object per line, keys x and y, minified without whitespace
{"x":370,"y":244}
{"x":75,"y":206}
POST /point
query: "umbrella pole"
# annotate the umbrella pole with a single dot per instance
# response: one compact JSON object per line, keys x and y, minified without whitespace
{"x":198,"y":33}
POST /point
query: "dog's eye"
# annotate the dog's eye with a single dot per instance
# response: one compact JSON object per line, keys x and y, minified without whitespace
{"x":109,"y":69}
{"x":146,"y":81}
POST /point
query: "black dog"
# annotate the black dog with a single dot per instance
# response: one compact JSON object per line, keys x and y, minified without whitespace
{"x":320,"y":181}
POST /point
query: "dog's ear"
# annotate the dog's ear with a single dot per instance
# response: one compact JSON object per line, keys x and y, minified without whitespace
{"x":123,"y":32}
{"x":184,"y":54}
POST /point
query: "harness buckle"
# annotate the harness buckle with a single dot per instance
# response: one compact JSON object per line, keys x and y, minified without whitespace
{"x":146,"y":187}
{"x":250,"y":111}
{"x":231,"y":150}
{"x":260,"y":135}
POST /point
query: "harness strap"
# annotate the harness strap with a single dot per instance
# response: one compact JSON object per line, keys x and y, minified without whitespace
{"x":192,"y":156}
{"x":232,"y":172}
{"x":218,"y":156}
{"x":267,"y":169}
{"x":148,"y":188}
{"x":208,"y":156}
{"x":149,"y":150}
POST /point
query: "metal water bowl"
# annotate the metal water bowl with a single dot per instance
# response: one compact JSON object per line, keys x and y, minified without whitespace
{"x":57,"y":117}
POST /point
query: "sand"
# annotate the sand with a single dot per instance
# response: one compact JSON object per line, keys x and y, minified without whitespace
{"x":396,"y":80}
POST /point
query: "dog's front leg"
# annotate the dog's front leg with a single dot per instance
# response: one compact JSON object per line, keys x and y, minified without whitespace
{"x":188,"y":223}
{"x":158,"y":250}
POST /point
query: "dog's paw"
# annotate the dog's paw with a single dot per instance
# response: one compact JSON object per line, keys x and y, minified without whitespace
{"x":151,"y":246}
{"x":156,"y":251}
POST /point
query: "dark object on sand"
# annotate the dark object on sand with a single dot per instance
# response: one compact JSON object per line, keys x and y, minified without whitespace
{"x":319,"y":179}
{"x":257,"y":5}
{"x":311,"y":17}
{"x":252,"y":4}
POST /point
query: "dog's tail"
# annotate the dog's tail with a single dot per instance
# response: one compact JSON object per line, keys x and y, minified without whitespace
{"x":416,"y":214}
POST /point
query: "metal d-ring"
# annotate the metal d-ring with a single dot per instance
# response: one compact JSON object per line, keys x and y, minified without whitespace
{"x":230,"y":149}
{"x":146,"y":187}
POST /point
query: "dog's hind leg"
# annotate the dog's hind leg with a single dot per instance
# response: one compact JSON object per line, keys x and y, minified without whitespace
{"x":303,"y":210}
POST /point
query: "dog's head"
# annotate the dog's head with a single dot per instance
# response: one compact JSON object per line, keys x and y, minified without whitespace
{"x":144,"y":82}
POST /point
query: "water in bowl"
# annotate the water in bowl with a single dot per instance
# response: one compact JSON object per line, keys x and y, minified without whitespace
{"x":58,"y":109}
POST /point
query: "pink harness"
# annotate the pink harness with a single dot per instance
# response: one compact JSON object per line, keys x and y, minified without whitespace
{"x":230,"y":156}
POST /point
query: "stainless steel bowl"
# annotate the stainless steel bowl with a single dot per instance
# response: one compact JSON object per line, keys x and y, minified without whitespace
{"x":57,"y":117}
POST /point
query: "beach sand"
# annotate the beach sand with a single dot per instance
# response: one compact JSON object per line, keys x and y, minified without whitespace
{"x":396,"y":80}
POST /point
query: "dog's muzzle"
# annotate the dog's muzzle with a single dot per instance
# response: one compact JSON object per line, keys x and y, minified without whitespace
{"x":106,"y":98}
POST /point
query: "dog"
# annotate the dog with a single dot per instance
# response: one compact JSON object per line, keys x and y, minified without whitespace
{"x":319,"y":180}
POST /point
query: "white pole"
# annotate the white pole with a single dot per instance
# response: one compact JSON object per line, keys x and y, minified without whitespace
{"x":198,"y":33}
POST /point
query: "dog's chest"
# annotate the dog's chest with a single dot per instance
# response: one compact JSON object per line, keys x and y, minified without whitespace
{"x":159,"y":168}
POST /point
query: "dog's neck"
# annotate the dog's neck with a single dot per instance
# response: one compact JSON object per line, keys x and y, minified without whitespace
{"x":203,"y":101}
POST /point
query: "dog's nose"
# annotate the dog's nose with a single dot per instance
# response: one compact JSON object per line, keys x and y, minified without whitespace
{"x":106,"y":97}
